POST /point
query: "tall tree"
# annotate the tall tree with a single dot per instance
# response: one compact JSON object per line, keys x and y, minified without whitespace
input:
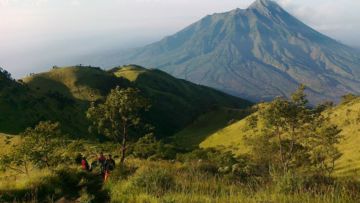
{"x":296,"y":135}
{"x":45,"y":138}
{"x":38,"y":146}
{"x":119,"y":113}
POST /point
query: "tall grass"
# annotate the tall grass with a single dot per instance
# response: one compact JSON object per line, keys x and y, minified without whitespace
{"x":190,"y":183}
{"x":171,"y":181}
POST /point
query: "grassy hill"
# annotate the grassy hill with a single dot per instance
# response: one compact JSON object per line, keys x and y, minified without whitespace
{"x":81,"y":83}
{"x":346,"y":116}
{"x":64,"y":94}
{"x":175,"y":103}
{"x":21,"y":107}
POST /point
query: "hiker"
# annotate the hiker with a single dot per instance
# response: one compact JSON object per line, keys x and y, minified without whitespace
{"x":85,"y":164}
{"x":101,"y":161}
{"x":110,"y":163}
{"x":109,"y":166}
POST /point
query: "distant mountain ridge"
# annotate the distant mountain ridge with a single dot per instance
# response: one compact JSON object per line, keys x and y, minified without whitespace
{"x":256,"y":53}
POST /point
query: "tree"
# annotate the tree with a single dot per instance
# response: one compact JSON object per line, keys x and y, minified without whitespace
{"x":4,"y":73}
{"x":295,"y":135}
{"x":321,"y":142}
{"x":19,"y":159}
{"x":119,"y":113}
{"x":45,"y":138}
{"x":38,"y":146}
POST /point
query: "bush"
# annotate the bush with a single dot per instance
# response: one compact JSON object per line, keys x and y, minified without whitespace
{"x":153,"y":181}
{"x":210,"y":158}
{"x":348,"y":98}
{"x":206,"y":167}
{"x":148,"y":147}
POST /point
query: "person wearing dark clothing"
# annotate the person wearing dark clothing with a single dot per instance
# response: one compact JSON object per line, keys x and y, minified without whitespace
{"x":109,"y":166}
{"x":109,"y":163}
{"x":102,"y":161}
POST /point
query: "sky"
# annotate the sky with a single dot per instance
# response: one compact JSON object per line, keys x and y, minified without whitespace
{"x":37,"y":34}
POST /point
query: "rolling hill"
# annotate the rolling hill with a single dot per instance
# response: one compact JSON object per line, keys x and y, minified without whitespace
{"x":346,"y":116}
{"x":64,"y":94}
{"x":256,"y":53}
{"x":21,"y":107}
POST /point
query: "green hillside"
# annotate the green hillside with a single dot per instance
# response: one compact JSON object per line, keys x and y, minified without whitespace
{"x":346,"y":116}
{"x":64,"y":94}
{"x":21,"y":107}
{"x":175,"y":103}
{"x":80,"y":83}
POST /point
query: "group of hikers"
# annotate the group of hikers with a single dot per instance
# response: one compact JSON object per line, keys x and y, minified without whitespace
{"x":106,"y":165}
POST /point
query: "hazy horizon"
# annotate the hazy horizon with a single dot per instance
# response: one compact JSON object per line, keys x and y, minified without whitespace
{"x":36,"y":34}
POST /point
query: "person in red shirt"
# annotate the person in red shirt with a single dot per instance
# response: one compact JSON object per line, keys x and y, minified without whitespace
{"x":84,"y":164}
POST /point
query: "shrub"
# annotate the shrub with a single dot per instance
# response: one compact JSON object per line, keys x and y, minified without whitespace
{"x":148,"y":147}
{"x":348,"y":98}
{"x":210,"y":159}
{"x":206,"y":167}
{"x":153,"y":181}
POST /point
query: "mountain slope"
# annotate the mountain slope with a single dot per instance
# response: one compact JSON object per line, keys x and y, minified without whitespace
{"x":64,"y":94}
{"x":257,"y":53}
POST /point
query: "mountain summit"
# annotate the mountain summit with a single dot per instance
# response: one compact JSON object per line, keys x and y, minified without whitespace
{"x":257,"y":53}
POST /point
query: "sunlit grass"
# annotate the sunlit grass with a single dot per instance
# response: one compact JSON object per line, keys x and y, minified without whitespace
{"x":194,"y":186}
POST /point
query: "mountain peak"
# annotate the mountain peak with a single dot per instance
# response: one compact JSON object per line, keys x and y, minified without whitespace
{"x":263,"y":5}
{"x":257,"y":53}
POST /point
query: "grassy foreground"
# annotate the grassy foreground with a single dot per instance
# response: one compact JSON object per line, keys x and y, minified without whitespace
{"x":165,"y":181}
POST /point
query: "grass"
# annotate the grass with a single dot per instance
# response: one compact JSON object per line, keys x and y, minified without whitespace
{"x":82,"y":83}
{"x":130,"y":72}
{"x":191,"y":185}
{"x":155,"y":181}
{"x":151,"y":181}
{"x":347,"y":117}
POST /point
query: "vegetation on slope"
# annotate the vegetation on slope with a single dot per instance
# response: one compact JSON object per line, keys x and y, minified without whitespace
{"x":175,"y":103}
{"x":21,"y":107}
{"x":190,"y":137}
{"x":64,"y":94}
{"x":52,"y":173}
{"x":346,"y":116}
